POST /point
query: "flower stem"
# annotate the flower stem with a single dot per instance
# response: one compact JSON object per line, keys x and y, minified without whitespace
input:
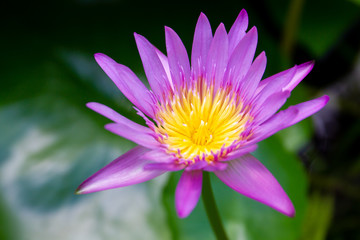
{"x":211,"y":209}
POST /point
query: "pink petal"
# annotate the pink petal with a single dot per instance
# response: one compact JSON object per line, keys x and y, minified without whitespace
{"x":159,"y":156}
{"x":153,"y":67}
{"x":140,"y":137}
{"x":188,"y":192}
{"x":274,"y":84}
{"x":288,"y":117}
{"x":178,"y":58}
{"x":116,"y":117}
{"x":201,"y":45}
{"x":301,"y":72}
{"x":196,"y":166}
{"x":264,"y":110}
{"x":164,"y":61}
{"x":286,"y":80}
{"x":128,"y":83}
{"x":248,"y":86}
{"x":276,"y":123}
{"x":241,"y":58}
{"x":215,"y":166}
{"x":217,"y":57}
{"x":169,"y":167}
{"x":240,"y":152}
{"x":249,"y":177}
{"x":126,"y":170}
{"x":277,"y":81}
{"x":237,"y":31}
{"x":309,"y":108}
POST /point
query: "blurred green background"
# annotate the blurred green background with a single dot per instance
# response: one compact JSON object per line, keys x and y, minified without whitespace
{"x":50,"y":142}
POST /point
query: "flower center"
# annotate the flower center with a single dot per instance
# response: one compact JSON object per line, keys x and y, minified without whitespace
{"x":198,"y":122}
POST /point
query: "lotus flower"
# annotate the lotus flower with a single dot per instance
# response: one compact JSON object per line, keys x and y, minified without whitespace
{"x":207,"y":116}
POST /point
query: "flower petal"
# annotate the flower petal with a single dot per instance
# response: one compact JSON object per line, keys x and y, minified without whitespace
{"x":309,"y":108}
{"x":274,"y":124}
{"x":153,"y":67}
{"x":178,"y":58}
{"x":140,"y":137}
{"x":264,"y":110}
{"x":237,"y":30}
{"x":274,"y":84}
{"x":218,"y":56}
{"x":126,"y":170}
{"x":286,"y":80}
{"x":116,"y":117}
{"x":288,"y":117}
{"x":159,"y":156}
{"x":201,"y":45}
{"x":248,"y":86}
{"x":188,"y":192}
{"x":249,"y":177}
{"x":172,"y":167}
{"x":240,"y":152}
{"x":241,"y":58}
{"x":128,"y":83}
{"x":164,"y":61}
{"x":301,"y":72}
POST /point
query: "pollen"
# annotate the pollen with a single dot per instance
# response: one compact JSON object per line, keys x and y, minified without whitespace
{"x":197,"y":122}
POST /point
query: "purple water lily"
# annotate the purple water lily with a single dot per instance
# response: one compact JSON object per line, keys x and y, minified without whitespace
{"x":207,"y":116}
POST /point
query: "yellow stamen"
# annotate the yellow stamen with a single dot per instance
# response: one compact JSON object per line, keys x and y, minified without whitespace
{"x":200,"y":121}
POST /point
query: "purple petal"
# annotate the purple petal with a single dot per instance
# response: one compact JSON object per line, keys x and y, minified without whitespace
{"x":237,"y":31}
{"x":276,"y":123}
{"x":178,"y":58}
{"x":301,"y":72}
{"x":264,"y":110}
{"x":126,"y":170}
{"x":116,"y":117}
{"x":248,"y":86}
{"x":308,"y":108}
{"x":164,"y":61}
{"x":159,"y":156}
{"x":201,"y":45}
{"x":215,"y":166}
{"x":277,"y":81}
{"x":249,"y":177}
{"x":241,"y":58}
{"x":128,"y":83}
{"x":153,"y":67}
{"x":217,"y":57}
{"x":140,"y":137}
{"x":196,"y":166}
{"x":288,"y":117}
{"x":286,"y":80}
{"x":240,"y":152}
{"x":172,"y":167}
{"x":188,"y":192}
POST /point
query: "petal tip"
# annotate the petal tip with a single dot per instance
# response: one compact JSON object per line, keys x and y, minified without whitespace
{"x":326,"y":99}
{"x":90,"y":104}
{"x":80,"y":190}
{"x":100,"y":56}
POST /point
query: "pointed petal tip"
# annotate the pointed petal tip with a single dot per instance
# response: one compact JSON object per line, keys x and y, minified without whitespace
{"x":182,"y":214}
{"x":288,"y":210}
{"x":221,"y":27}
{"x":243,"y":12}
{"x":188,"y":192}
{"x":326,"y":99}
{"x":89,"y":104}
{"x":79,"y":191}
{"x":100,"y":56}
{"x":202,"y":15}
